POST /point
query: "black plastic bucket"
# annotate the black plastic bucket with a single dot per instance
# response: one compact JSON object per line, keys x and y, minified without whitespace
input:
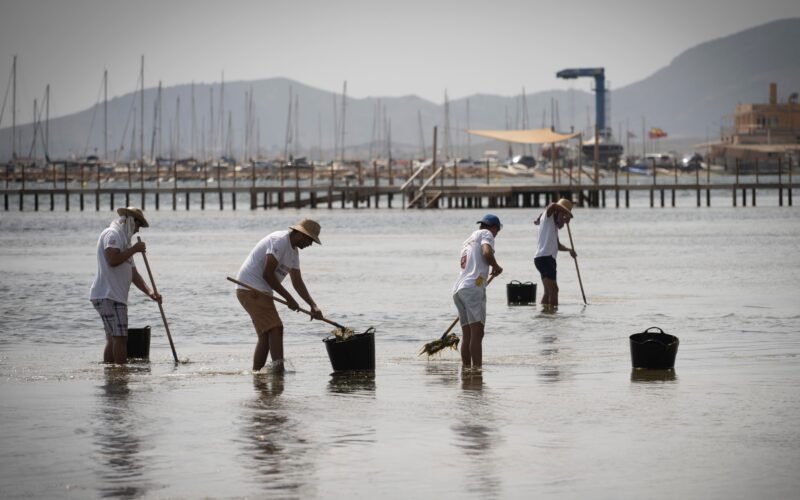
{"x":654,"y":350}
{"x":521,"y":294}
{"x":355,"y":353}
{"x":139,"y":342}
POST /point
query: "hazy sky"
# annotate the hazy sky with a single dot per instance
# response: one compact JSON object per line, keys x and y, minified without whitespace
{"x":382,"y":48}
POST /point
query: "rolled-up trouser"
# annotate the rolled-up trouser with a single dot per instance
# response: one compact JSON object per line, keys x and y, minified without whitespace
{"x":261,"y":310}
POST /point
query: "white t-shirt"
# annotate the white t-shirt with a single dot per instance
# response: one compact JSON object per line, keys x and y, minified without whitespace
{"x":547,"y":246}
{"x":112,"y":282}
{"x":474,"y":269}
{"x":276,"y":244}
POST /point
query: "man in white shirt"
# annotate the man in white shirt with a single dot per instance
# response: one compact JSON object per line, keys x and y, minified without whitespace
{"x":553,"y":218}
{"x":275,"y":256}
{"x":115,"y":273}
{"x":469,"y":290}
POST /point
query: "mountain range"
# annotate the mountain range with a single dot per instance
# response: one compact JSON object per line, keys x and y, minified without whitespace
{"x":690,"y":99}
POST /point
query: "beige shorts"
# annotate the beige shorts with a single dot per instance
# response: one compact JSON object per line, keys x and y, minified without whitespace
{"x":261,"y":310}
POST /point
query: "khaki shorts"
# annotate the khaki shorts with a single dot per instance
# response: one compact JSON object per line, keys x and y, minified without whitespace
{"x":261,"y":310}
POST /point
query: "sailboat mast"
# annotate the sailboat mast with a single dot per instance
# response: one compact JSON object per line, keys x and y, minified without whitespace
{"x":295,"y":143}
{"x":141,"y":115}
{"x":222,"y":114}
{"x":194,"y":119}
{"x":14,"y":109}
{"x":210,"y":150}
{"x":335,"y":128}
{"x":469,"y":136}
{"x":421,"y":134}
{"x":47,"y":122}
{"x":105,"y":114}
{"x":177,"y":130}
{"x":344,"y":107}
{"x":288,"y":129}
{"x":159,"y":115}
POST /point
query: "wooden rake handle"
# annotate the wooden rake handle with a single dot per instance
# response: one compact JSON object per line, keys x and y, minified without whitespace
{"x":276,"y":299}
{"x":160,"y":307}
{"x":577,"y":269}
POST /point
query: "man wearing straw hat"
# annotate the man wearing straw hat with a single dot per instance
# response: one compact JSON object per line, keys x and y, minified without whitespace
{"x":469,"y":290}
{"x":115,"y":273}
{"x":275,"y":256}
{"x":553,"y":218}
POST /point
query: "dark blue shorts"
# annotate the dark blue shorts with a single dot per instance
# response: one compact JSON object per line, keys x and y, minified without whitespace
{"x":546,"y":266}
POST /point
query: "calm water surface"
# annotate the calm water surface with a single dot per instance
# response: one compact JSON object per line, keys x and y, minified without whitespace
{"x":556,"y":412}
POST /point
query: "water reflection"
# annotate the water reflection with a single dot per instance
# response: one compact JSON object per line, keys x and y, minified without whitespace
{"x":352,"y":382}
{"x":116,"y":436}
{"x":653,"y":376}
{"x":477,"y":435}
{"x":549,"y":370}
{"x":274,"y":445}
{"x":443,"y":373}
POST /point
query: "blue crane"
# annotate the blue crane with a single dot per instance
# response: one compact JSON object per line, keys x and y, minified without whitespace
{"x":600,"y":92}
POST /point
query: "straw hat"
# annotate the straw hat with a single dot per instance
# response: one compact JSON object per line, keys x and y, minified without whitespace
{"x":308,"y":227}
{"x":134,"y":212}
{"x":566,"y":205}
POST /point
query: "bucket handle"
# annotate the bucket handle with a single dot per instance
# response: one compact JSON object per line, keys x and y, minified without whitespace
{"x":369,"y":330}
{"x":517,"y":282}
{"x":657,"y":328}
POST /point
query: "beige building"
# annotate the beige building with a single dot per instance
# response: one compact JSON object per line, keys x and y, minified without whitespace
{"x":761,"y":134}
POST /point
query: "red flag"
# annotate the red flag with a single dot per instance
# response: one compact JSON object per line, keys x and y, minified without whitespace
{"x":656,"y":133}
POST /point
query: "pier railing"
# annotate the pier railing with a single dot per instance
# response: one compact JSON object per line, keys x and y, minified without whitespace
{"x":78,"y":186}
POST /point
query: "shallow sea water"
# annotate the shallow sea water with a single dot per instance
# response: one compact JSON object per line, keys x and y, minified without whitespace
{"x":556,"y":411}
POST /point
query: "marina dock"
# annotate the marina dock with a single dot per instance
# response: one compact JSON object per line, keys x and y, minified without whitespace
{"x":615,"y":189}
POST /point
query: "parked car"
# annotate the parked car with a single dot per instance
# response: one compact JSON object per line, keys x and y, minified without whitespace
{"x":692,"y":162}
{"x":464,"y":163}
{"x":528,"y":161}
{"x":663,"y":160}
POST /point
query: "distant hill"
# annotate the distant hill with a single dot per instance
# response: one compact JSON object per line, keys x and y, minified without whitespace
{"x":687,"y":98}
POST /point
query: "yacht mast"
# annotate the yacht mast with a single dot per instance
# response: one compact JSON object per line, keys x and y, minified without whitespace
{"x":14,"y":109}
{"x":141,"y":115}
{"x":105,"y":113}
{"x":344,"y":122}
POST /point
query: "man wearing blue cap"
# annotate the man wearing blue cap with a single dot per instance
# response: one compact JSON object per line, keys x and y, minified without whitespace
{"x":469,"y":290}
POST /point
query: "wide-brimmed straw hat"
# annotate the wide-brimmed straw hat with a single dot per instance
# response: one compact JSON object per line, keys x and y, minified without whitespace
{"x":308,"y":227}
{"x":134,"y":212}
{"x":566,"y":205}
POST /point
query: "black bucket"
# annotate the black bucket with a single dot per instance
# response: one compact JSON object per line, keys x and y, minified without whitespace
{"x":521,"y":294}
{"x":139,"y":342}
{"x":355,"y":353}
{"x":654,"y":350}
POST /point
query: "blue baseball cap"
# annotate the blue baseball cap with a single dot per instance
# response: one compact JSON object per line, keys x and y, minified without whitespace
{"x":491,"y":220}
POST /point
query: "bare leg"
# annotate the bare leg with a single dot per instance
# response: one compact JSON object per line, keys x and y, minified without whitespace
{"x":108,"y":353}
{"x":276,"y":347}
{"x":466,"y":357}
{"x":261,"y":352}
{"x":554,"y":295}
{"x":476,"y":344}
{"x":550,"y":295}
{"x":119,"y":348}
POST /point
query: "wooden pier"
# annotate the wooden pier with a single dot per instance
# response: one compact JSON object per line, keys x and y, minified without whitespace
{"x":463,"y":196}
{"x":436,"y":191}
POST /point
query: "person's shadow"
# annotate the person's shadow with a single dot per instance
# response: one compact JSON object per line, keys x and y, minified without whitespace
{"x":477,"y":433}
{"x":274,"y":443}
{"x":121,"y":469}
